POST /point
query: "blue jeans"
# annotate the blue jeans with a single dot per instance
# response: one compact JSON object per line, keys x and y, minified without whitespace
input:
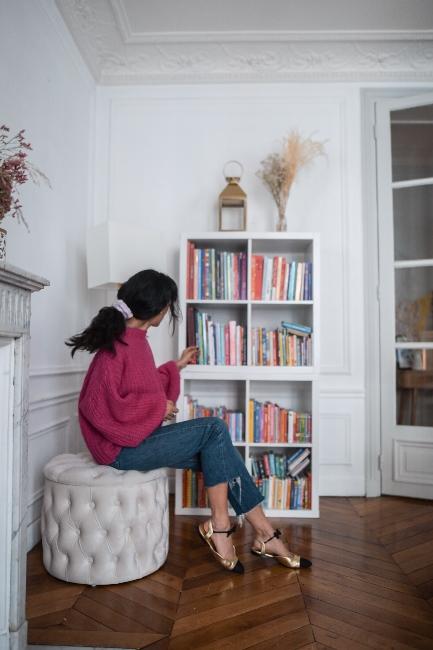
{"x":203,"y":444}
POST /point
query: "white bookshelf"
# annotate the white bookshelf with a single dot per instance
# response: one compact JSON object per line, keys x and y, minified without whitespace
{"x":291,"y":387}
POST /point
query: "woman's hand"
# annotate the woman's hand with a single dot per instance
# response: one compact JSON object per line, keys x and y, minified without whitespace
{"x":170,"y":411}
{"x":187,"y":356}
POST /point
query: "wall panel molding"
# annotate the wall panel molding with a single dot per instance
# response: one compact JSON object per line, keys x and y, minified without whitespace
{"x":47,"y":371}
{"x":35,"y":497}
{"x":54,"y":399}
{"x":342,"y":440}
{"x":413,"y":462}
{"x":342,"y":393}
{"x":339,"y":427}
{"x":52,"y":426}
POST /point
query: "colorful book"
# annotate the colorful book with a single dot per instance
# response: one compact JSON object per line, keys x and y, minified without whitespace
{"x":279,"y":278}
{"x":234,"y":419}
{"x":280,"y":347}
{"x":268,"y":422}
{"x":218,"y":343}
{"x":215,"y":274}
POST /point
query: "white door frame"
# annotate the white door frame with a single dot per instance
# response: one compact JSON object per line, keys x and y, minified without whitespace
{"x":369,"y":98}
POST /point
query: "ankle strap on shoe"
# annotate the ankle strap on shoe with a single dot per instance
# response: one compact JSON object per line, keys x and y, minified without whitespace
{"x":277,"y":534}
{"x":229,"y":532}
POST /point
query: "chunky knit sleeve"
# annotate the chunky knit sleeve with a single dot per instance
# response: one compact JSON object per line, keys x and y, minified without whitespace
{"x":124,"y":419}
{"x":170,"y":377}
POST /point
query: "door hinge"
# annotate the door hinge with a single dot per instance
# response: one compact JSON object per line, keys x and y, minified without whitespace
{"x":379,"y":462}
{"x":374,"y":132}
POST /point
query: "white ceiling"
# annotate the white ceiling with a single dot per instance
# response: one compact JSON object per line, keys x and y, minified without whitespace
{"x":148,"y":16}
{"x":142,"y":41}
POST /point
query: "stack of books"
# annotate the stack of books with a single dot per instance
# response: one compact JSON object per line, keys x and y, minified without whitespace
{"x":216,"y":275}
{"x":286,"y":493}
{"x":280,"y":465}
{"x":279,"y":479}
{"x":219,"y":344}
{"x":194,"y":494}
{"x":233,"y":419}
{"x":268,"y":422}
{"x":288,"y":345}
{"x":275,"y":278}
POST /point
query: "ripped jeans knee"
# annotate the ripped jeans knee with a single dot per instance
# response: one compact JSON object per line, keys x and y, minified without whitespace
{"x":243,"y":495}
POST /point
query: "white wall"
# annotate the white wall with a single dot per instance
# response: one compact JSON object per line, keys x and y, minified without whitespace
{"x":47,"y":90}
{"x":159,"y":158}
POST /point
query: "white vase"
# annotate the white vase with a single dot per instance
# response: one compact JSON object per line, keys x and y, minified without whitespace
{"x":3,"y":234}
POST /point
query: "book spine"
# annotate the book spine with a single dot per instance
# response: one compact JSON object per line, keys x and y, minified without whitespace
{"x":292,"y":281}
{"x":298,"y":281}
{"x":213,"y":274}
{"x":244,"y":280}
{"x":274,"y":278}
{"x":235,"y":277}
{"x":226,"y":345}
{"x":203,"y":331}
{"x":301,"y":290}
{"x":189,"y":268}
{"x":305,"y":287}
{"x":228,"y":276}
{"x":278,"y":281}
{"x":310,"y":284}
{"x":254,"y":292}
{"x":281,"y":293}
{"x":266,"y":464}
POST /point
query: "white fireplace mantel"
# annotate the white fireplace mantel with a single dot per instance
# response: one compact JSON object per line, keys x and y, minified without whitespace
{"x":16,"y":287}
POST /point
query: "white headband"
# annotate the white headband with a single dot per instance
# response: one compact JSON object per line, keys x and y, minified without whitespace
{"x":123,"y":308}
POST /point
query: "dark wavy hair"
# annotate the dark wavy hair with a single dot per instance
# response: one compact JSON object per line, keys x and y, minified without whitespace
{"x":146,"y":293}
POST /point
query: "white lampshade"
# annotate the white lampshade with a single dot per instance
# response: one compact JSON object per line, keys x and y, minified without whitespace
{"x":116,"y":250}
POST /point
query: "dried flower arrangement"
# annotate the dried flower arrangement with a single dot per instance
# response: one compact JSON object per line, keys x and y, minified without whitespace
{"x":279,"y":170}
{"x":15,"y":169}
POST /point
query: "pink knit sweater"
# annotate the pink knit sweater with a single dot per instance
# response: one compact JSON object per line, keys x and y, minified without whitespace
{"x":124,"y":396}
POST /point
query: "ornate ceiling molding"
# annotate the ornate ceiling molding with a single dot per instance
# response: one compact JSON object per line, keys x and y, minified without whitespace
{"x":118,"y":55}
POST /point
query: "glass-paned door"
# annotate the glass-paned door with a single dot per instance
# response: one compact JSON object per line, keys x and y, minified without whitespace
{"x":404,"y":131}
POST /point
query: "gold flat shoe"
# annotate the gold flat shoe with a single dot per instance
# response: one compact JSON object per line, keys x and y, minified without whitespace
{"x":231,"y":565}
{"x":292,"y":561}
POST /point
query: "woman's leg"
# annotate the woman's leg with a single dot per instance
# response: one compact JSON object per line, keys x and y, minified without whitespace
{"x":264,"y":530}
{"x":203,"y":443}
{"x":217,"y":496}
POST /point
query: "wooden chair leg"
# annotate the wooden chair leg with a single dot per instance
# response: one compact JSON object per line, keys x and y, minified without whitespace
{"x":413,"y":407}
{"x":401,"y":396}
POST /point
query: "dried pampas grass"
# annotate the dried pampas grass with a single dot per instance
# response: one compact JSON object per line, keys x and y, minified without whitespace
{"x":279,"y":170}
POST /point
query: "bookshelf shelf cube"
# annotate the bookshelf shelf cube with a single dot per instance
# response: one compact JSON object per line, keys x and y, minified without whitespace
{"x":281,"y":391}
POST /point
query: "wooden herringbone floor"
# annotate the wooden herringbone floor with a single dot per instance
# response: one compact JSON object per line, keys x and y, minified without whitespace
{"x":370,"y":586}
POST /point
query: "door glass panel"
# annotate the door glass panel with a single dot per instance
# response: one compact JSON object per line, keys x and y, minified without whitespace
{"x":414,"y":304}
{"x":412,"y":159}
{"x":411,"y":143}
{"x":414,"y":386}
{"x":413,"y":222}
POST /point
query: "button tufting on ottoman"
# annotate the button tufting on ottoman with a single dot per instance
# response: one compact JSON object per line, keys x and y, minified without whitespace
{"x":101,"y":525}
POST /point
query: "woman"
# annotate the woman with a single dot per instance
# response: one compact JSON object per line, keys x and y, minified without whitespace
{"x":125,"y":399}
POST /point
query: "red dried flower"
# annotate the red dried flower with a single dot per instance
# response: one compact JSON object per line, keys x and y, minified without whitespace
{"x":15,"y":169}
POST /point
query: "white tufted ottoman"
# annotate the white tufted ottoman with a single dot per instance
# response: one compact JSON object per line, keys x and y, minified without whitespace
{"x":101,"y":525}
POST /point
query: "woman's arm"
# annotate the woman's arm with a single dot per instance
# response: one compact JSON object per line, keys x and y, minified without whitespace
{"x":169,"y":372}
{"x":170,"y":377}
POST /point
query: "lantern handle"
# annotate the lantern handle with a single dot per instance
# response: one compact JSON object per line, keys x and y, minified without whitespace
{"x":237,"y":163}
